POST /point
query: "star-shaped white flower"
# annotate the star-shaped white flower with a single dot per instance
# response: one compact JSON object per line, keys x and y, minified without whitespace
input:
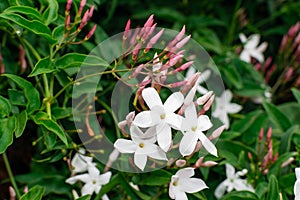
{"x":142,"y":145}
{"x":80,"y":163}
{"x":202,"y":78}
{"x":225,"y":107}
{"x":193,"y":128}
{"x":93,"y":180}
{"x":160,"y":115}
{"x":251,"y":49}
{"x":297,"y":184}
{"x":182,"y":183}
{"x":233,"y":181}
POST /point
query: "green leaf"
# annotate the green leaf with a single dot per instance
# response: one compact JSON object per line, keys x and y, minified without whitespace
{"x":16,"y":97}
{"x":51,"y":13}
{"x":237,"y":195}
{"x":76,"y":60}
{"x":42,"y":118}
{"x":5,"y":107}
{"x":285,"y":142}
{"x":31,"y":94}
{"x":296,"y":94}
{"x":277,"y":117}
{"x":233,"y":76}
{"x":25,"y":10}
{"x":156,"y":178}
{"x":35,"y":193}
{"x":34,"y":26}
{"x":43,"y":66}
{"x":6,"y":132}
{"x":21,"y":123}
{"x":273,"y":189}
{"x":85,"y":197}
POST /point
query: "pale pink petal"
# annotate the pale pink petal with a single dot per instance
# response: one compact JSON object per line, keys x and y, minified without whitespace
{"x":185,"y":173}
{"x":192,"y":185}
{"x":173,"y":102}
{"x":208,"y":145}
{"x":104,"y":178}
{"x":164,"y":136}
{"x":140,"y":161}
{"x":204,"y":123}
{"x":125,"y":146}
{"x":188,"y":143}
{"x":151,"y":97}
{"x":233,"y":108}
{"x":220,"y":190}
{"x":146,"y":119}
{"x":87,"y":189}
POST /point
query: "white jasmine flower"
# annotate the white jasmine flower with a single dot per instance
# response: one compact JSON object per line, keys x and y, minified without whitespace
{"x":297,"y":184}
{"x":182,"y":183}
{"x":93,"y":180}
{"x":251,"y":49}
{"x":232,"y":182}
{"x":225,"y":107}
{"x":160,"y":115}
{"x":193,"y":128}
{"x":142,"y":145}
{"x":202,"y":78}
{"x":80,"y":163}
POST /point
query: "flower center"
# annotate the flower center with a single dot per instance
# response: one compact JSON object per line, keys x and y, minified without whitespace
{"x":175,"y":183}
{"x":94,"y":182}
{"x":141,"y":145}
{"x":163,"y":116}
{"x":194,"y":128}
{"x":231,"y":180}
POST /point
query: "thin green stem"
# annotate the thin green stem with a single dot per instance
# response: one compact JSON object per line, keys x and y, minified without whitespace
{"x":10,"y":174}
{"x":47,"y":95}
{"x":233,"y":22}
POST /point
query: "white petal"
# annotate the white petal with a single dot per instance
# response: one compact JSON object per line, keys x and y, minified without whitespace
{"x":174,"y":120}
{"x":220,"y":190}
{"x":188,"y":143}
{"x":233,"y":108}
{"x":97,"y":188}
{"x":204,"y":76}
{"x":190,"y":114}
{"x":79,"y":163}
{"x":204,"y":123}
{"x":240,"y":185}
{"x":104,"y":178}
{"x":227,"y":95}
{"x":185,"y":172}
{"x":125,"y":146}
{"x":201,"y":89}
{"x":297,"y":189}
{"x":87,"y":189}
{"x":190,"y":72}
{"x":164,"y":136}
{"x":258,"y":56}
{"x":173,"y":102}
{"x":146,"y":119}
{"x":82,"y":177}
{"x":262,"y":47}
{"x":245,"y":56}
{"x":171,"y":191}
{"x":192,"y":185}
{"x":180,"y":195}
{"x":189,"y":99}
{"x":93,"y":171}
{"x":158,"y":154}
{"x":137,"y":135}
{"x":140,"y":161}
{"x":104,"y":197}
{"x":151,"y":97}
{"x":297,"y":172}
{"x":208,"y":145}
{"x":242,"y":37}
{"x":253,"y":41}
{"x":230,"y":171}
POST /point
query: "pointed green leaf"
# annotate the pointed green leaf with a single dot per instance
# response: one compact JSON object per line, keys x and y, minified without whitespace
{"x":5,"y":107}
{"x":6,"y":132}
{"x":42,"y":118}
{"x":16,"y":97}
{"x":31,"y":94}
{"x":34,"y":26}
{"x":237,"y":195}
{"x":85,"y":197}
{"x":35,"y":193}
{"x":233,"y":76}
{"x":296,"y":94}
{"x":277,"y":117}
{"x":273,"y":189}
{"x":51,"y":13}
{"x":21,"y":123}
{"x":43,"y":66}
{"x":25,"y":10}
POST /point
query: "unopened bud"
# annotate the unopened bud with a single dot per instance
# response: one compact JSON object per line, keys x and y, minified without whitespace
{"x":91,"y":33}
{"x":68,"y":7}
{"x":126,"y":31}
{"x":12,"y":193}
{"x":269,"y":134}
{"x":190,"y":83}
{"x":82,"y":4}
{"x":149,"y":22}
{"x":137,"y":71}
{"x":68,"y":22}
{"x":250,"y":156}
{"x":217,"y":132}
{"x":183,"y":42}
{"x":287,"y":162}
{"x":177,"y":84}
{"x":84,"y":20}
{"x":180,"y":163}
{"x":182,"y":67}
{"x":203,"y":99}
{"x":261,"y":134}
{"x":208,"y":104}
{"x":153,"y":40}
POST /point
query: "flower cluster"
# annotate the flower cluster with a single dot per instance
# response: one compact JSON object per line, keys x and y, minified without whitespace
{"x":93,"y":179}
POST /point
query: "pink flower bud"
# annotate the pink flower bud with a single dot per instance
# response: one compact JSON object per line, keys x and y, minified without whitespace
{"x":22,"y":59}
{"x":137,"y":71}
{"x":182,"y":67}
{"x":84,"y":20}
{"x":68,"y":22}
{"x":91,"y":33}
{"x":289,"y":73}
{"x":68,"y":7}
{"x":201,"y":100}
{"x":283,"y":43}
{"x":177,"y":38}
{"x":82,"y":4}
{"x":209,"y":163}
{"x":180,"y":163}
{"x":261,"y":134}
{"x":127,"y":28}
{"x":269,"y":134}
{"x":190,"y":83}
{"x":208,"y":104}
{"x":136,"y":51}
{"x":287,"y":162}
{"x":149,"y":22}
{"x":113,"y":156}
{"x":2,"y":67}
{"x":183,"y":42}
{"x":266,"y":171}
{"x":257,"y":66}
{"x":199,"y":162}
{"x":177,"y":84}
{"x":250,"y":156}
{"x":217,"y":132}
{"x":25,"y":189}
{"x":12,"y":193}
{"x":293,"y":30}
{"x":153,"y":40}
{"x":134,"y":36}
{"x":91,"y":11}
